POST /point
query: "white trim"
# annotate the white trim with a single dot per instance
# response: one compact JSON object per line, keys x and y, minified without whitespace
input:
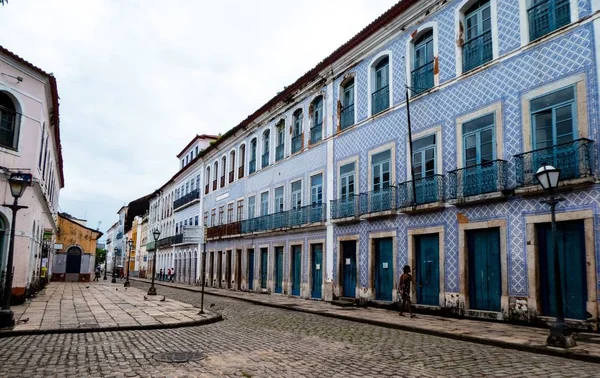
{"x":371,"y":78}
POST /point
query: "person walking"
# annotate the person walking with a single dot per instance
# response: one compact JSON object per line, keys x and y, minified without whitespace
{"x":169,"y":274}
{"x":160,"y":275}
{"x":172,"y":276}
{"x":404,"y":290}
{"x":97,"y":277}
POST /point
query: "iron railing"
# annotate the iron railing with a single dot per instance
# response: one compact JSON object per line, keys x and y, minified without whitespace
{"x":231,"y":176}
{"x":189,"y":234}
{"x":241,"y":171}
{"x":151,"y":246}
{"x":165,"y":242}
{"x":279,"y":152}
{"x":223,"y":181}
{"x":265,"y":159}
{"x":575,"y":159}
{"x":477,"y":51}
{"x":177,"y":239}
{"x":206,"y":188}
{"x":120,"y":235}
{"x":547,"y":16}
{"x":422,"y":78}
{"x":316,"y":132}
{"x":347,"y":116}
{"x":477,"y":179}
{"x":252,"y":167}
{"x":297,"y":143}
{"x":191,"y":196}
{"x":427,"y":189}
{"x":345,"y":207}
{"x":380,"y":100}
{"x":214,"y":184}
{"x":378,"y":200}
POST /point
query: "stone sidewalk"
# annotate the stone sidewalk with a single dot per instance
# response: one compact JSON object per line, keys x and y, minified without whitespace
{"x":67,"y":307}
{"x":504,"y":335}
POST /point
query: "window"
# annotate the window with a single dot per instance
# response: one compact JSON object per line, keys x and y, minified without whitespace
{"x":9,"y":123}
{"x":187,"y":188}
{"x":316,"y":131}
{"x":191,"y":223}
{"x":553,"y":118}
{"x":182,"y":163}
{"x":176,"y":229}
{"x":196,"y":150}
{"x":196,"y":220}
{"x":380,"y":97}
{"x":347,"y":112}
{"x":229,"y":212}
{"x":278,"y":199}
{"x":297,"y":195}
{"x":192,"y":186}
{"x":251,"y":207}
{"x":316,"y":189}
{"x":240,"y":210}
{"x":215,"y":175}
{"x":206,"y":218}
{"x":198,"y":182}
{"x":42,"y":145}
{"x":297,"y":142}
{"x":424,"y":156}
{"x":422,"y":73}
{"x":347,"y":180}
{"x":264,"y":203}
{"x":213,"y":217}
{"x":207,"y":177}
{"x":223,"y":168}
{"x":252,"y":167}
{"x":266,"y":144}
{"x":231,"y":166}
{"x":280,"y":149}
{"x":242,"y":161}
{"x":185,"y":223}
{"x":380,"y":165}
{"x":478,"y":141}
{"x":477,"y":48}
{"x":221,"y":214}
{"x":192,"y":155}
{"x":545,"y":16}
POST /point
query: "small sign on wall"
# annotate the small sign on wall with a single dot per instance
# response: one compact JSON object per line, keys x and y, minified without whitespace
{"x":318,"y":267}
{"x":385,"y":265}
{"x":347,"y":261}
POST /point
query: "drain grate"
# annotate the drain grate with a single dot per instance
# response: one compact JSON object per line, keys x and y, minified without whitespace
{"x":178,"y":357}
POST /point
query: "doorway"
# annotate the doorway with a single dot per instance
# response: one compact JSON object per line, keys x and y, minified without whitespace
{"x":296,"y":269}
{"x":250,"y":262}
{"x":238,"y":269}
{"x":484,"y":275}
{"x":316,"y":270}
{"x":264,"y":264}
{"x":427,"y":271}
{"x":211,"y":269}
{"x":348,"y":262}
{"x":228,"y":269}
{"x":279,"y":270}
{"x":219,"y":269}
{"x":384,"y":269}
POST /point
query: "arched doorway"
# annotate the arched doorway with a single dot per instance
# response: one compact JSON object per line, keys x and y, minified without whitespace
{"x":73,"y":264}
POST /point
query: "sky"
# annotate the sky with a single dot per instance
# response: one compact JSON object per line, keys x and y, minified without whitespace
{"x":138,"y":79}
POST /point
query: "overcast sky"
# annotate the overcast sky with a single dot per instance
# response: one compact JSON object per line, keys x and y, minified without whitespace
{"x":139,"y":79}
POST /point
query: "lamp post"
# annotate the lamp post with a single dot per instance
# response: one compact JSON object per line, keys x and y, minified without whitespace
{"x":560,"y":336}
{"x":130,"y":244}
{"x":18,"y":182}
{"x":155,"y":235}
{"x":114,"y":279}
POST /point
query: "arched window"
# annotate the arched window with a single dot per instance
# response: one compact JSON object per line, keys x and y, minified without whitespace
{"x":215,"y":175}
{"x":266,"y":144}
{"x":9,"y":122}
{"x":477,"y":48}
{"x":380,"y":85}
{"x":297,"y":134}
{"x":231,"y":166}
{"x":242,"y":161}
{"x":252,"y":166}
{"x":223,"y":168}
{"x":347,"y":104}
{"x":422,"y":66}
{"x":316,"y":129}
{"x":207,"y":177}
{"x":280,"y":149}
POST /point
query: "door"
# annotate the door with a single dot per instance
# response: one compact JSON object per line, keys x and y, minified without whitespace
{"x":316,"y":270}
{"x":251,"y":269}
{"x":427,"y":269}
{"x":211,"y":269}
{"x":296,"y":269}
{"x":485,"y":282}
{"x":228,"y":269}
{"x":349,"y":269}
{"x":384,"y":269}
{"x":73,"y":267}
{"x":219,"y":268}
{"x":238,"y":269}
{"x":571,"y":257}
{"x":264,"y":263}
{"x":279,"y":270}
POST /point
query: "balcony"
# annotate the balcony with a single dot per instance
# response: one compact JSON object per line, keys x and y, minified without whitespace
{"x":316,"y":133}
{"x":422,"y":78}
{"x":281,"y":221}
{"x":190,"y":235}
{"x":191,"y":196}
{"x":206,"y":188}
{"x":477,"y":51}
{"x":252,"y":167}
{"x":378,"y":202}
{"x":231,"y":176}
{"x":429,"y":192}
{"x":241,"y":171}
{"x":223,"y":181}
{"x":150,"y":246}
{"x":297,"y":143}
{"x":380,"y":100}
{"x":265,"y":160}
{"x":215,"y":184}
{"x":164,"y":242}
{"x":547,"y":16}
{"x":575,"y":160}
{"x":347,"y":117}
{"x":478,"y":182}
{"x":119,"y":235}
{"x":345,"y":209}
{"x":279,"y":150}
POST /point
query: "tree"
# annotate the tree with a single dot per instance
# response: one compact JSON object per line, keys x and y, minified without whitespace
{"x":100,"y":253}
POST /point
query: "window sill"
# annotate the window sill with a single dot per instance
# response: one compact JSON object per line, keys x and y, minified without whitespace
{"x":10,"y":151}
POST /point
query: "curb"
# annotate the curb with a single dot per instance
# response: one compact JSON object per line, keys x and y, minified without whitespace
{"x":213,"y":319}
{"x":538,"y":349}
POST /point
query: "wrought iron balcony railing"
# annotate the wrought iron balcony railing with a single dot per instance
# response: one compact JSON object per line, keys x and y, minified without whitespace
{"x":380,"y":100}
{"x":345,"y":207}
{"x":119,"y":235}
{"x":297,"y":142}
{"x":378,"y":200}
{"x":422,"y":78}
{"x":477,"y":179}
{"x":223,"y":181}
{"x":214,"y":184}
{"x":265,"y":160}
{"x":547,"y":16}
{"x":252,"y":167}
{"x":477,"y":51}
{"x":347,"y":116}
{"x":316,"y":133}
{"x":190,"y":234}
{"x":427,"y":189}
{"x":206,"y":188}
{"x":279,"y":152}
{"x":191,"y":196}
{"x":241,"y":171}
{"x":575,"y":159}
{"x":231,"y":176}
{"x":150,"y":246}
{"x":177,"y":239}
{"x":164,"y":242}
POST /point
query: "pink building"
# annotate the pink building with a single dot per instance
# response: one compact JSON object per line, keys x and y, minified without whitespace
{"x":29,"y":142}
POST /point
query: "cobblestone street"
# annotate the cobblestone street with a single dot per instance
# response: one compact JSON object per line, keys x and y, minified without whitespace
{"x":261,"y":341}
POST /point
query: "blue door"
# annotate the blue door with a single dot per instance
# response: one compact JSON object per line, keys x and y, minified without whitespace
{"x":279,"y":270}
{"x":219,"y":268}
{"x":485,"y":282}
{"x":349,"y":269}
{"x":296,"y":269}
{"x":427,"y":269}
{"x":317,"y":272}
{"x":384,"y":269}
{"x":264,"y":263}
{"x":571,"y":251}
{"x":250,"y":269}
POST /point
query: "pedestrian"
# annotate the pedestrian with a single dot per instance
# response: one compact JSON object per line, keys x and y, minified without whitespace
{"x":169,"y":274}
{"x":160,"y":275}
{"x":97,"y":277}
{"x":172,"y":275}
{"x":404,"y":289}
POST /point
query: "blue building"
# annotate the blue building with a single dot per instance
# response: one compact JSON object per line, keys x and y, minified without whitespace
{"x":320,"y":193}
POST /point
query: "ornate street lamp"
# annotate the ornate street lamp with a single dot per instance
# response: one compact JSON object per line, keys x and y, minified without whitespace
{"x":155,"y":235}
{"x":560,"y":335}
{"x":130,"y":244}
{"x":18,"y":182}
{"x":114,"y":279}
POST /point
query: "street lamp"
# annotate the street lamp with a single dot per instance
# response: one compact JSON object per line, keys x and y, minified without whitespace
{"x":155,"y":235}
{"x":114,"y":279}
{"x":18,"y":182}
{"x":130,"y":243}
{"x":560,"y":336}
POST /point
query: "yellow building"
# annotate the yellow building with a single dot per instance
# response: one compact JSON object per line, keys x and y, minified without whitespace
{"x":76,"y":256}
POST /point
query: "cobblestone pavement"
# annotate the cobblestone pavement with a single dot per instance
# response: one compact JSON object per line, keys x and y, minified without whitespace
{"x":261,"y":341}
